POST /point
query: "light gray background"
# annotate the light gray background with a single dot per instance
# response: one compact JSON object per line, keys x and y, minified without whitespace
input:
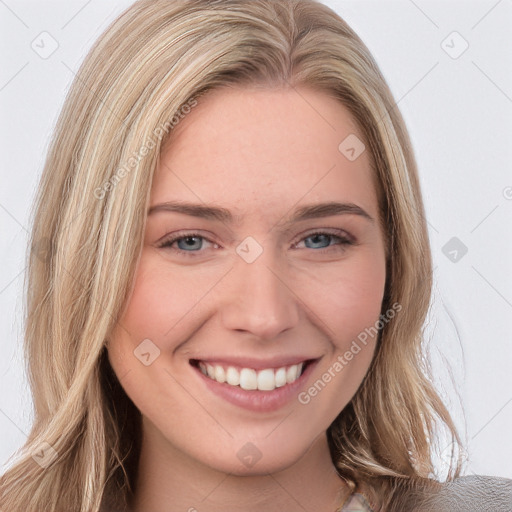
{"x":459,"y":114}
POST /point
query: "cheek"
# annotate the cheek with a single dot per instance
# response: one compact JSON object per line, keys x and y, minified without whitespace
{"x":163,"y":301}
{"x":163,"y":308}
{"x":348,"y":302}
{"x":347,"y":296}
{"x":356,"y":305}
{"x":159,"y":309}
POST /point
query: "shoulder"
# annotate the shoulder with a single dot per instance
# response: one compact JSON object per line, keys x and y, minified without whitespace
{"x":476,"y":493}
{"x":471,"y":493}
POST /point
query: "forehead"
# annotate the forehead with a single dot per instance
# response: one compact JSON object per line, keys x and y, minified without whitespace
{"x":258,"y":151}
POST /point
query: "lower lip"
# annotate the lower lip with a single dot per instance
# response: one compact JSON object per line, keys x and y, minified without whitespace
{"x":255,"y":400}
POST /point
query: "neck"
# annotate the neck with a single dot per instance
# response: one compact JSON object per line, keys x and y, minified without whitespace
{"x":171,"y":481}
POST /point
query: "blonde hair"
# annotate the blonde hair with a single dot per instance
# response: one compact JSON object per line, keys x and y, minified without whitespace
{"x":155,"y":58}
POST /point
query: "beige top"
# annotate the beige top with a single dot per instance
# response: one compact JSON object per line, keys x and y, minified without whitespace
{"x":356,"y":503}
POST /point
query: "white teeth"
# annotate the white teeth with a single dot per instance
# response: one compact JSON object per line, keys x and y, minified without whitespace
{"x":280,"y":377}
{"x":232,"y":376}
{"x":291,"y":374}
{"x":220,"y":374}
{"x":266,"y":380}
{"x":249,"y":379}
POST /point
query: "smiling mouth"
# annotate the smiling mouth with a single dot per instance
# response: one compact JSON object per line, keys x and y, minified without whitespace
{"x":266,"y":379}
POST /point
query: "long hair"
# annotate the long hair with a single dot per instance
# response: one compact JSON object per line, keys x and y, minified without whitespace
{"x":149,"y":68}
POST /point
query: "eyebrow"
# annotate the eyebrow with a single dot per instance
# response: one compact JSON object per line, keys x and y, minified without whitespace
{"x":311,"y":211}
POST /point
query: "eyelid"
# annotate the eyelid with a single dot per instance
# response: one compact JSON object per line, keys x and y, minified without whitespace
{"x":182,"y":233}
{"x":326,"y":231}
{"x":167,"y":240}
{"x":346,"y":240}
{"x":338,"y":232}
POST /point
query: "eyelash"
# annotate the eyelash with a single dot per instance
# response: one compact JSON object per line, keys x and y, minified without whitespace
{"x":344,"y":241}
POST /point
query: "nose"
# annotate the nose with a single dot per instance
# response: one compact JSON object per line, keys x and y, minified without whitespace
{"x":261,"y":301}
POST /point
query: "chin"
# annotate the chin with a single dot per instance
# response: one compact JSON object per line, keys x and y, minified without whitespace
{"x":254,"y":457}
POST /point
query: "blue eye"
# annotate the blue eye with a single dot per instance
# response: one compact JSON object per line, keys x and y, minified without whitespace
{"x":325,"y":237}
{"x":190,"y":243}
{"x":187,"y":243}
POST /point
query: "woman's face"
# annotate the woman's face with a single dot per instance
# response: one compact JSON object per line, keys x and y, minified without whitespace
{"x":259,"y":278}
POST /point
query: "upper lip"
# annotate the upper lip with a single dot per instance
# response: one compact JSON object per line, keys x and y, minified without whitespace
{"x":256,"y":364}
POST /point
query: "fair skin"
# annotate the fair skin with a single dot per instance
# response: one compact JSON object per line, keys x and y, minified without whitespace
{"x":261,"y":154}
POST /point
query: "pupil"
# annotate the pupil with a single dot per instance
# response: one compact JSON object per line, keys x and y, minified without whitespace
{"x":317,"y":238}
{"x":190,"y":241}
